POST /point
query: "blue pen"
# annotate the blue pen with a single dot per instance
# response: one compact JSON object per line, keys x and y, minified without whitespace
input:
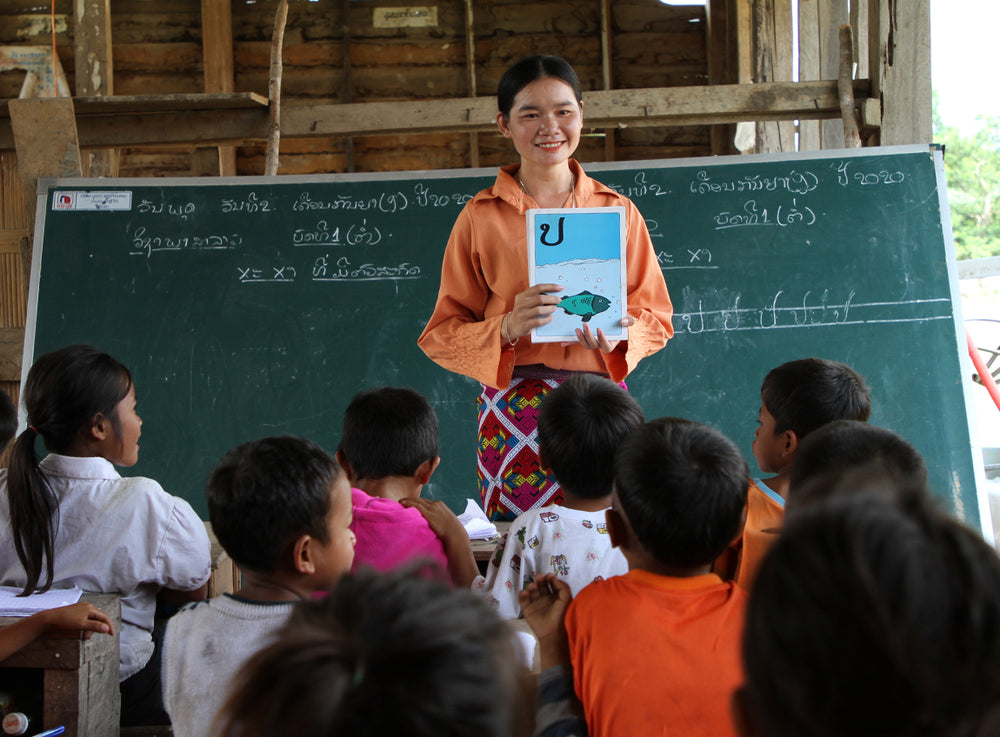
{"x":51,"y":732}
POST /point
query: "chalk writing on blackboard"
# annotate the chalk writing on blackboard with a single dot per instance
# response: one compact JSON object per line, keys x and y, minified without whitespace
{"x":250,"y":204}
{"x":146,"y":245}
{"x":273,"y":274}
{"x":866,"y":179}
{"x":344,"y":270}
{"x":700,"y":258}
{"x":795,"y":182}
{"x":781,"y":216}
{"x":182,"y":212}
{"x":822,"y":311}
{"x":640,"y":188}
{"x":321,"y":235}
{"x":387,"y":202}
{"x":424,"y":197}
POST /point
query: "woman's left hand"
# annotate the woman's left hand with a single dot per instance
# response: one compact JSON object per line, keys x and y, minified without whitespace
{"x":589,"y":340}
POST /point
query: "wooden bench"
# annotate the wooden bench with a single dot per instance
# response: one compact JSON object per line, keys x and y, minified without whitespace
{"x":80,"y":677}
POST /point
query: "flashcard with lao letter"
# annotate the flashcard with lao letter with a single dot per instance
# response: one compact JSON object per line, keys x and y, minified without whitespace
{"x":583,"y":251}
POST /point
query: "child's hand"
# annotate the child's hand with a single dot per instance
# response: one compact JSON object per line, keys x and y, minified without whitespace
{"x":81,"y":616}
{"x":443,"y":522}
{"x":544,"y":602}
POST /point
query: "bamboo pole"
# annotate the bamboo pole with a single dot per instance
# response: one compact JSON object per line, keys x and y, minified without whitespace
{"x":845,"y":88}
{"x":274,"y":90}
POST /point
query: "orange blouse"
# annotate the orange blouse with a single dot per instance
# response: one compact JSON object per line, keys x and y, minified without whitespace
{"x":486,"y":265}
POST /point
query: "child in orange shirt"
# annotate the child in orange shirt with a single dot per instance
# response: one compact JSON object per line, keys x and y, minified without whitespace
{"x":796,"y":398}
{"x":656,"y":651}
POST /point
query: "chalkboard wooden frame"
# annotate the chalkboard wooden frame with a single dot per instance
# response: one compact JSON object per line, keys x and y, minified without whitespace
{"x":841,"y":254}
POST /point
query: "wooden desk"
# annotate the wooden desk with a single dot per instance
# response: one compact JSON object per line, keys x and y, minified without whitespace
{"x":80,"y":676}
{"x":483,"y":549}
{"x":226,"y":577}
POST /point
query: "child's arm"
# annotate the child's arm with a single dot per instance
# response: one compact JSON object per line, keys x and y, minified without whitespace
{"x":544,"y":603}
{"x":559,"y":712}
{"x":461,"y":561}
{"x":80,"y":616}
{"x":176,"y":597}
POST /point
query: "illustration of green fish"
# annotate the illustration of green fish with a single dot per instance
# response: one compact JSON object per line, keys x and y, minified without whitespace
{"x":584,"y":304}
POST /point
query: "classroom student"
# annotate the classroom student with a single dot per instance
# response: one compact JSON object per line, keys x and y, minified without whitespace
{"x":655,"y":651}
{"x":796,"y":398}
{"x":485,"y":309}
{"x":389,"y":450}
{"x":281,"y":509}
{"x":82,"y":617}
{"x":856,"y":448}
{"x":390,"y":654}
{"x":74,"y":521}
{"x":580,"y":426}
{"x":873,"y":614}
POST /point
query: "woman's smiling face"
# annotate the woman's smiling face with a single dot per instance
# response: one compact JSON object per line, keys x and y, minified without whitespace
{"x":545,"y":122}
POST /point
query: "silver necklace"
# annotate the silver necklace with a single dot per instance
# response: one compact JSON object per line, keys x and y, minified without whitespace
{"x":572,"y":191}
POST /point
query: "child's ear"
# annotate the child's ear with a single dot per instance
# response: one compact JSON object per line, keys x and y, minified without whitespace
{"x":304,"y":555}
{"x":345,"y":464}
{"x":789,"y":444}
{"x":426,"y":469}
{"x":618,"y":528}
{"x":100,"y":427}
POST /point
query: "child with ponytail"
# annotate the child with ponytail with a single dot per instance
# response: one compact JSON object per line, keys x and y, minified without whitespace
{"x":71,"y":519}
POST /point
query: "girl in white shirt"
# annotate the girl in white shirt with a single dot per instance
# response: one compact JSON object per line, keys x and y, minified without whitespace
{"x":73,"y":520}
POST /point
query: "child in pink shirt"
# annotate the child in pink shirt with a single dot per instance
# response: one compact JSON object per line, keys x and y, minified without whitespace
{"x":389,"y":449}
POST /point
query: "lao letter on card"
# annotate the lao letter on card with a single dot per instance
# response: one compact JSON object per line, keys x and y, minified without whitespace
{"x":583,"y":251}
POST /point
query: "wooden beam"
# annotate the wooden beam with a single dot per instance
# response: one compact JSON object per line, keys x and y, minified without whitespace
{"x":44,"y":131}
{"x":607,"y":75}
{"x":809,"y":52}
{"x":108,"y":123}
{"x":94,"y":71}
{"x":217,"y":59}
{"x":832,"y":15}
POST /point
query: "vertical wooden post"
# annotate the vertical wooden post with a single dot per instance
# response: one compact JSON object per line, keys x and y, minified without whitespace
{"x":832,"y":15}
{"x":809,"y":55}
{"x":94,"y":72}
{"x":345,"y":89}
{"x":470,"y":64}
{"x":607,"y":77}
{"x":906,"y":73}
{"x":14,"y":241}
{"x":47,"y":146}
{"x":772,"y":56}
{"x":274,"y":89}
{"x":217,"y":58}
{"x":720,"y":20}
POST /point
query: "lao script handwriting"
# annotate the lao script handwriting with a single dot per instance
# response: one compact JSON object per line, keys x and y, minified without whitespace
{"x":782,"y":216}
{"x":146,"y":245}
{"x":795,"y":182}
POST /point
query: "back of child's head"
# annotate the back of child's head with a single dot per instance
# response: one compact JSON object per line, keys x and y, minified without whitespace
{"x":66,"y":391}
{"x":8,"y":420}
{"x":390,"y":654}
{"x":683,"y":487}
{"x":806,"y":394}
{"x":389,"y":431}
{"x":265,"y":494}
{"x":856,"y":448}
{"x":874,"y":614}
{"x":580,"y":425}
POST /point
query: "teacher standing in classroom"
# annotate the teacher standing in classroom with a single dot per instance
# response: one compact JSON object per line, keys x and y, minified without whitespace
{"x":485,"y":309}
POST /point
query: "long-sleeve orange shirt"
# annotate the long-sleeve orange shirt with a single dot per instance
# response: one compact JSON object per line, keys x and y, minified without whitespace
{"x":486,"y":266}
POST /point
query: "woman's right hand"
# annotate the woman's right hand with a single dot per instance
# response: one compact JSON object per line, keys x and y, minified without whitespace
{"x":532,"y":308}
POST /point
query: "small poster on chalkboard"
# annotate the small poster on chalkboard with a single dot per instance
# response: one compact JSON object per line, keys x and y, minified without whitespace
{"x":582,"y":250}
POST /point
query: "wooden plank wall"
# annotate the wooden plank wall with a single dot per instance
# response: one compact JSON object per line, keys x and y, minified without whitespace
{"x":158,"y":49}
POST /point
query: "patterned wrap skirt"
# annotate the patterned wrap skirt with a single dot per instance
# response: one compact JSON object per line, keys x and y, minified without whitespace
{"x":511,"y":480}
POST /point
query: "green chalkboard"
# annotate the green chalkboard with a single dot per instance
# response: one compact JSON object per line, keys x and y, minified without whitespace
{"x":258,"y":306}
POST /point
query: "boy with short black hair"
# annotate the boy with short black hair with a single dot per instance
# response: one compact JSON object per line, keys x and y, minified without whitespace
{"x":389,"y":450}
{"x":581,"y":423}
{"x":281,"y":508}
{"x":856,"y":448}
{"x":797,"y":398}
{"x":657,"y":651}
